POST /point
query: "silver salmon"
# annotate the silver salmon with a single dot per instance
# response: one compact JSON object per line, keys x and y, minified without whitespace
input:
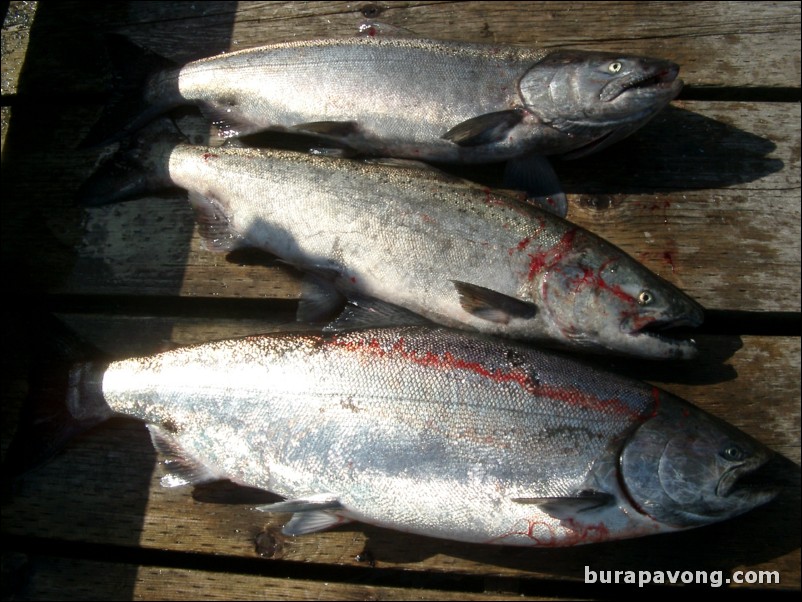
{"x":402,"y":97}
{"x":432,"y":431}
{"x":454,"y":252}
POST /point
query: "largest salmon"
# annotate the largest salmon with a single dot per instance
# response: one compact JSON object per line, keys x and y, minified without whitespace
{"x":444,"y":248}
{"x":400,"y":97}
{"x":429,"y":431}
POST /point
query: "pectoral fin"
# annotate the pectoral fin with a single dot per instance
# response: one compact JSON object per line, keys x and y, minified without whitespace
{"x":228,"y":120}
{"x":485,"y":129}
{"x":568,"y":507}
{"x":491,"y":305}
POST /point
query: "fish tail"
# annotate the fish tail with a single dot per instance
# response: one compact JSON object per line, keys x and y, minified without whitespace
{"x":132,"y":103}
{"x":65,"y":399}
{"x":139,"y":167}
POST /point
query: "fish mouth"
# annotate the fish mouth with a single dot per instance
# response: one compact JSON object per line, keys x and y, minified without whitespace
{"x":751,"y":481}
{"x":661,"y":80}
{"x":667,"y":338}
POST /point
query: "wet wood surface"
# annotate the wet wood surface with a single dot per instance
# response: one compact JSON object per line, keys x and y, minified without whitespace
{"x":707,"y":195}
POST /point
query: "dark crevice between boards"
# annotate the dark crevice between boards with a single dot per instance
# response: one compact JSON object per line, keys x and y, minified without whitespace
{"x":717,"y":322}
{"x":755,"y":323}
{"x":751,"y":94}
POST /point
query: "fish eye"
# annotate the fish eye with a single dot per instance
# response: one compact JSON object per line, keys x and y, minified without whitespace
{"x":614,"y":67}
{"x":733,"y":453}
{"x":645,"y":298}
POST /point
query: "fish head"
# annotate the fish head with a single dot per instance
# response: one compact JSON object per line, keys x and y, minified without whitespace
{"x":686,"y":468}
{"x":599,"y":297}
{"x":597,"y":98}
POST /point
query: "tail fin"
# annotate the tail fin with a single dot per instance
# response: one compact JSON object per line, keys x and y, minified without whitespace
{"x":65,"y":399}
{"x":139,"y":167}
{"x":129,"y":107}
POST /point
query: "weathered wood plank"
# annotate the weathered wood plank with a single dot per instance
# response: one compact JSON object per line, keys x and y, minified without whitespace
{"x":49,"y":578}
{"x":718,"y":44}
{"x":707,"y":195}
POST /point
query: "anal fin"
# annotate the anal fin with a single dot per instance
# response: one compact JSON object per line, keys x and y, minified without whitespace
{"x":367,"y":312}
{"x":183,"y":468}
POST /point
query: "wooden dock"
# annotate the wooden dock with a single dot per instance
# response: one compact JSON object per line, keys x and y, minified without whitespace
{"x":707,"y":195}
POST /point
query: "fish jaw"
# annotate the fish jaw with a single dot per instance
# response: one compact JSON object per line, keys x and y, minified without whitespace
{"x":648,"y":333}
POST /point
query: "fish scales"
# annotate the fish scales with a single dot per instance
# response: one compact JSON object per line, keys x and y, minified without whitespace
{"x":430,"y":431}
{"x":345,"y":73}
{"x":312,"y":212}
{"x":454,"y":252}
{"x":375,"y":415}
{"x":403,"y":97}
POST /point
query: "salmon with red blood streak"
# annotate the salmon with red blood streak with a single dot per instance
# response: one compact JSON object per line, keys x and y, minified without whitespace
{"x":441,"y":247}
{"x":426,"y":430}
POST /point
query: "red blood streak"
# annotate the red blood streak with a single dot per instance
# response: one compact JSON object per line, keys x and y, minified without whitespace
{"x":530,"y":530}
{"x":656,"y":397}
{"x":207,"y":156}
{"x":638,"y":322}
{"x":492,"y":199}
{"x":569,"y":533}
{"x":585,"y":533}
{"x":616,"y":290}
{"x":546,"y":259}
{"x":588,"y":401}
{"x":587,"y":278}
{"x":447,"y":361}
{"x":521,"y":246}
{"x":669,"y":259}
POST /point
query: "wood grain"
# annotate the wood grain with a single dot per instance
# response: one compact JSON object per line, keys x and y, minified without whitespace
{"x":707,"y":195}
